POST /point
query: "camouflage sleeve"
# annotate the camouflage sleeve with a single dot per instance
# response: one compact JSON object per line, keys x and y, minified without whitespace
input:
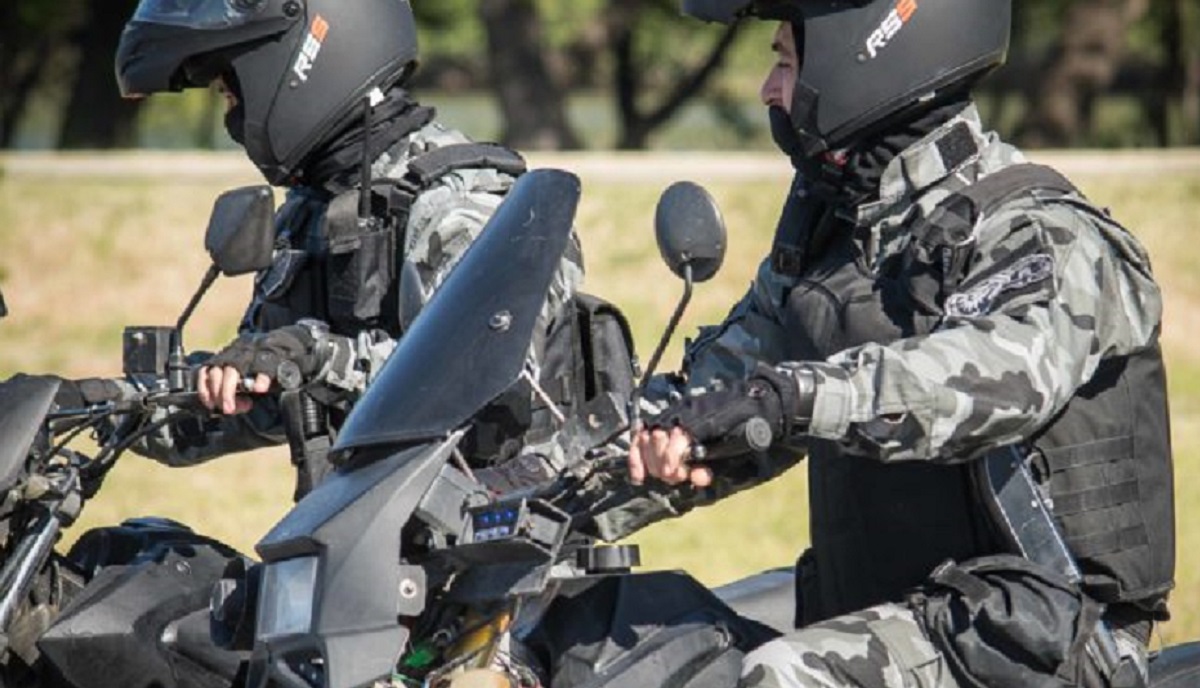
{"x":751,"y":333}
{"x":1051,"y":294}
{"x":340,"y":381}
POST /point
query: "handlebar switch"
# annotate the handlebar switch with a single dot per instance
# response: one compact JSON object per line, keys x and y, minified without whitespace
{"x":146,"y":350}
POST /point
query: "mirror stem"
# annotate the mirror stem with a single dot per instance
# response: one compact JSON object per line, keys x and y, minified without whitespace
{"x":176,"y":365}
{"x":638,"y":392}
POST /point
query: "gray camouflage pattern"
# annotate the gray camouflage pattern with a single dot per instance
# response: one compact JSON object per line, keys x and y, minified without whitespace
{"x":1055,"y":287}
{"x":879,"y":647}
{"x":986,"y":376}
{"x":443,"y":222}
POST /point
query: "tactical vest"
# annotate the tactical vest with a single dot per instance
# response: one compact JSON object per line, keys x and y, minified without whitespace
{"x":586,"y":357}
{"x":352,"y":283}
{"x":1105,"y":460}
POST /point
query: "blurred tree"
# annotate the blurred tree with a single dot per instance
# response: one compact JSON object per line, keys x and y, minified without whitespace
{"x":1179,"y":78}
{"x":651,"y":48}
{"x":532,"y":102}
{"x":96,"y":116}
{"x":32,"y":34}
{"x":1081,"y":65}
{"x":532,"y":55}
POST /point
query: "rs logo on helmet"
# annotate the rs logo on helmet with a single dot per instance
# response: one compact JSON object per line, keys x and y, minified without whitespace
{"x":892,"y":23}
{"x":311,"y":47}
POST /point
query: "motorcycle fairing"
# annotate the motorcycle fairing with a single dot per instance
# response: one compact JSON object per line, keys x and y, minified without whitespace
{"x":145,"y":624}
{"x":351,"y":522}
{"x":467,"y":346}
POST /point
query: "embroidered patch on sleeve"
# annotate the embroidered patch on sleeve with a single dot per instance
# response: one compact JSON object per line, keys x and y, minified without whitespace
{"x":979,"y":299}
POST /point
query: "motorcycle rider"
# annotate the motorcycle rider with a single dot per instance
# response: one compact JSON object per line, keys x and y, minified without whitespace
{"x":314,"y":89}
{"x":928,"y":299}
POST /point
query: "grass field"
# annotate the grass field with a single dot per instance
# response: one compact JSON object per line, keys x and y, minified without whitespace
{"x":83,"y":254}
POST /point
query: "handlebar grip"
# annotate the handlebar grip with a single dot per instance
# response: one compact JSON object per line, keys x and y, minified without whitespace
{"x":754,"y":435}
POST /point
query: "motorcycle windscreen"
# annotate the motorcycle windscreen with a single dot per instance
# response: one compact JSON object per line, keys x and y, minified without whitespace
{"x":469,"y":343}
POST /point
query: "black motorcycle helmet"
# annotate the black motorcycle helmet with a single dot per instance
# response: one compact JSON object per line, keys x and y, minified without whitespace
{"x":300,"y":68}
{"x":867,"y":63}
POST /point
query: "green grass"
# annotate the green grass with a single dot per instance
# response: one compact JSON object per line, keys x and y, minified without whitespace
{"x":82,"y":257}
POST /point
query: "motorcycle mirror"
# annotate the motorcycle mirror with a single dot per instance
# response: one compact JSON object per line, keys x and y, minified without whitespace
{"x":241,"y":233}
{"x":690,"y":231}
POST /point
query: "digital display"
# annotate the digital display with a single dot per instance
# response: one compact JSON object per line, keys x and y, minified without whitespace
{"x":495,"y":524}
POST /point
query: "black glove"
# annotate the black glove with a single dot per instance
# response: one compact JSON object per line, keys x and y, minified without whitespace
{"x":770,"y":394}
{"x":288,"y":355}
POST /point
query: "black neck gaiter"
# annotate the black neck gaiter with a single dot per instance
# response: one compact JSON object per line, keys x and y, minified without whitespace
{"x":336,"y":165}
{"x":851,"y":177}
{"x":829,"y":186}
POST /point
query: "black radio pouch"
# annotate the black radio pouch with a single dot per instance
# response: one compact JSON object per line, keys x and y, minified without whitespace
{"x":364,"y":253}
{"x":659,"y":629}
{"x":361,"y":266}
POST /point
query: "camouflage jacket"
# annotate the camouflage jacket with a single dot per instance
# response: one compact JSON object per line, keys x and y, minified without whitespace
{"x":444,"y":220}
{"x":1008,"y":353}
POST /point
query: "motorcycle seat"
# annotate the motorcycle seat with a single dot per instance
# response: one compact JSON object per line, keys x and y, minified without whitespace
{"x":768,"y":598}
{"x":1176,"y":667}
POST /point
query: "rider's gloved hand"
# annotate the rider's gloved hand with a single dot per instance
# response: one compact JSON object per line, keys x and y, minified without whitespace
{"x":781,"y":397}
{"x":289,"y":356}
{"x":770,"y":394}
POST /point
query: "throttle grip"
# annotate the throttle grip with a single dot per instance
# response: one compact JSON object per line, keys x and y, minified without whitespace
{"x":754,"y":435}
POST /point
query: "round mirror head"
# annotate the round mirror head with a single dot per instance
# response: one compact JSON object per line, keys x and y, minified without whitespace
{"x":690,"y":230}
{"x":241,"y":230}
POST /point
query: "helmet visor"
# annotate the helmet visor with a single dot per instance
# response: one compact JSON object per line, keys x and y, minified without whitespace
{"x":720,"y":11}
{"x":198,"y":14}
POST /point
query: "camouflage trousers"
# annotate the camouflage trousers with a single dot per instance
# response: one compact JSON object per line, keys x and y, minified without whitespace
{"x":879,"y":647}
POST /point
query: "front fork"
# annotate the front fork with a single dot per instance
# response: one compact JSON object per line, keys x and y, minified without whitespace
{"x":308,"y":433}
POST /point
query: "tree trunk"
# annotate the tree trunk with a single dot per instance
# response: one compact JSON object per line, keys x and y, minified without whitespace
{"x":1081,"y":65}
{"x":30,"y":47}
{"x":1182,"y":70}
{"x":1167,"y":91}
{"x":20,"y":75}
{"x":636,"y":126}
{"x":532,"y":104}
{"x":96,"y":115}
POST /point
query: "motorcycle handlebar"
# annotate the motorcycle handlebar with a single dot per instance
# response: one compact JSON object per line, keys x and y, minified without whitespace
{"x":752,"y":436}
{"x":117,"y":395}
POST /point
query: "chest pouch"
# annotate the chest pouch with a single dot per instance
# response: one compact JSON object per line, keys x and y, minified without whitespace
{"x":939,"y":254}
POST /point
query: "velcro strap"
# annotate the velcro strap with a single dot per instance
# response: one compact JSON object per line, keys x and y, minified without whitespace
{"x":1096,"y":498}
{"x":1104,"y":542}
{"x":426,"y":168}
{"x":993,"y":190}
{"x":971,"y":587}
{"x":1090,"y":454}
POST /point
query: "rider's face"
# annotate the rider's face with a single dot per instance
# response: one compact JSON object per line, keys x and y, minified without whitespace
{"x":781,"y":80}
{"x":231,"y":100}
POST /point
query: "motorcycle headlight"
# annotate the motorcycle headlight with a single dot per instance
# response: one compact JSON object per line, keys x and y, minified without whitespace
{"x":285,"y":605}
